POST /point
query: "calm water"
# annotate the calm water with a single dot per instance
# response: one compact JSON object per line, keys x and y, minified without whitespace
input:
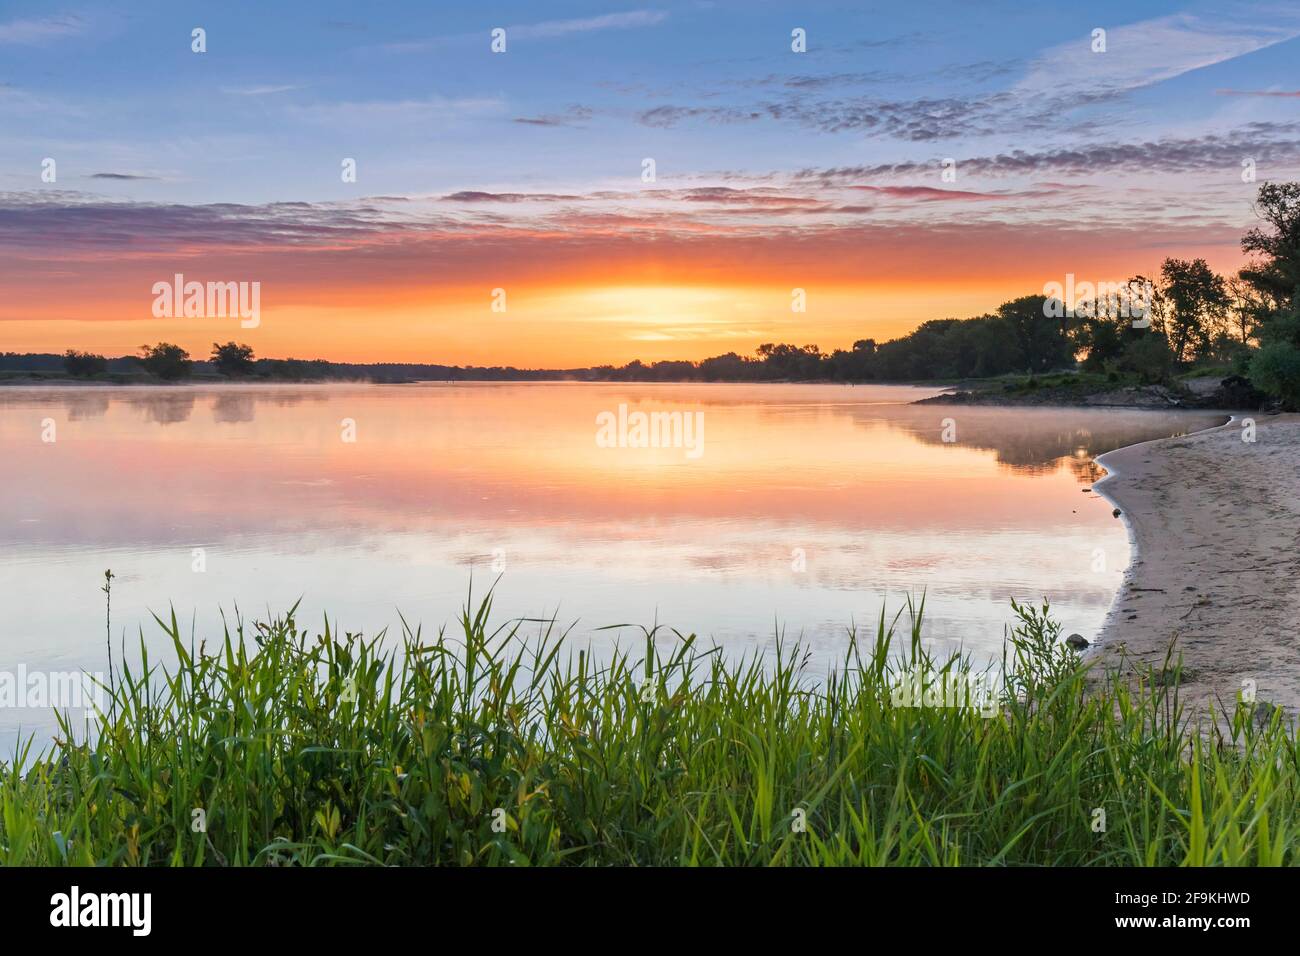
{"x":804,"y":508}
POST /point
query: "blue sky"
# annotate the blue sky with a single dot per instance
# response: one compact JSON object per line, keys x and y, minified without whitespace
{"x":525,"y":167}
{"x":412,"y":91}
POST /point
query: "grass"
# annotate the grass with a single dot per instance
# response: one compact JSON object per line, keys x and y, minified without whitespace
{"x":486,"y":748}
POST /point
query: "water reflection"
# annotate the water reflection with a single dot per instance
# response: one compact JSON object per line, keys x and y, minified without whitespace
{"x":234,"y":407}
{"x":811,"y":507}
{"x":160,"y":405}
{"x":1036,"y":441}
{"x":1031,"y":441}
{"x":86,"y":405}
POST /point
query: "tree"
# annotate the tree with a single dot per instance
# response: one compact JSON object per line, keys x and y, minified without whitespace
{"x":729,"y":367}
{"x":166,"y":361}
{"x":84,"y":364}
{"x":1275,"y":275}
{"x":232,"y":360}
{"x":1044,"y":341}
{"x":1246,"y":309}
{"x":1104,"y":326}
{"x":854,"y":366}
{"x":790,"y":361}
{"x":1193,"y":305}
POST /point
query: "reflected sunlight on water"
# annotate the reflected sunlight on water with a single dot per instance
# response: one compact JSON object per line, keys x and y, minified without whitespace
{"x":809,"y":508}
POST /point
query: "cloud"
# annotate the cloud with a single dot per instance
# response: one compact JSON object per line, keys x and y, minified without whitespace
{"x":1286,"y":93}
{"x":340,"y":256}
{"x":918,"y":120}
{"x":70,"y":221}
{"x":666,"y":117}
{"x":573,"y":116}
{"x":42,"y":30}
{"x":1213,"y":152}
{"x":931,"y":194}
{"x":473,"y":196}
{"x":1152,"y":51}
{"x":609,"y":21}
{"x":766,"y":200}
{"x":400,"y":112}
{"x":259,"y":90}
{"x":545,"y":30}
{"x":1055,"y":84}
{"x":122,"y":176}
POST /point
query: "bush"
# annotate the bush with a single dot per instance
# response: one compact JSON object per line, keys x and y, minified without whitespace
{"x":1275,"y":370}
{"x":1149,"y":357}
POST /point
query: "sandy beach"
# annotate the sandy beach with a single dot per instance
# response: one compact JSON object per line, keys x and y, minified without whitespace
{"x":1215,"y":522}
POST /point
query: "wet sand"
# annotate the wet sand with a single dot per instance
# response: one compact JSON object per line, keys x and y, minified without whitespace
{"x":1215,"y":523}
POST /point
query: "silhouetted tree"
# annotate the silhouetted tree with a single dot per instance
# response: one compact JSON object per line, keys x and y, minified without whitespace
{"x":1193,"y":305}
{"x":166,"y":361}
{"x":232,"y":360}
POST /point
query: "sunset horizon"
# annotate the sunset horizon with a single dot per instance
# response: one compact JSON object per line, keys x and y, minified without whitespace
{"x":409,"y":190}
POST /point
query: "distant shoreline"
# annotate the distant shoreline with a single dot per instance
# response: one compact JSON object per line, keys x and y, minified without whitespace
{"x":1212,"y":395}
{"x":558,"y":379}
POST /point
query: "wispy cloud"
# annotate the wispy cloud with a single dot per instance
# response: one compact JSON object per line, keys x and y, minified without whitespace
{"x":573,"y":116}
{"x":610,"y":21}
{"x":1284,"y":93}
{"x":476,"y":196}
{"x":1053,"y":85}
{"x":41,"y":30}
{"x":932,"y":194}
{"x":1279,"y":142}
{"x":259,"y":90}
{"x":402,"y":112}
{"x":545,"y":30}
{"x":1152,"y":51}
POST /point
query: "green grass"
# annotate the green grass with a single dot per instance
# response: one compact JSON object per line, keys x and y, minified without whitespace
{"x":1081,"y":383}
{"x":488,"y":748}
{"x":1207,"y":369}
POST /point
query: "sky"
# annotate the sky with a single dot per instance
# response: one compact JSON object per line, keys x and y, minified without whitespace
{"x":914,"y":161}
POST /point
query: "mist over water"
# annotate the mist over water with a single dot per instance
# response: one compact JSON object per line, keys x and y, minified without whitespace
{"x":808,"y":508}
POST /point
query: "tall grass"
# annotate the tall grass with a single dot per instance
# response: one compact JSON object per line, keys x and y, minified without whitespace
{"x":491,"y":749}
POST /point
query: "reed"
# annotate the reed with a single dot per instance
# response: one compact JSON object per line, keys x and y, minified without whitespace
{"x":486,"y":747}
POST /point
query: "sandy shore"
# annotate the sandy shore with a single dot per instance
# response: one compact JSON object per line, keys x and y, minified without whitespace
{"x":1215,"y":522}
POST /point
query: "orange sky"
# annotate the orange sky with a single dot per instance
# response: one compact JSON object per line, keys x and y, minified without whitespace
{"x":577,"y":293}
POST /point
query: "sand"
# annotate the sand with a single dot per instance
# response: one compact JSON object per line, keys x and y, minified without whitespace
{"x":1215,"y":524}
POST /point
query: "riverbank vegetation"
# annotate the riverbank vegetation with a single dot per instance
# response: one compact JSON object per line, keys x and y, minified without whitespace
{"x":275,"y":747}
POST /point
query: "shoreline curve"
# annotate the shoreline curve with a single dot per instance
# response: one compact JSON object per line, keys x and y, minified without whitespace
{"x":1213,"y":523}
